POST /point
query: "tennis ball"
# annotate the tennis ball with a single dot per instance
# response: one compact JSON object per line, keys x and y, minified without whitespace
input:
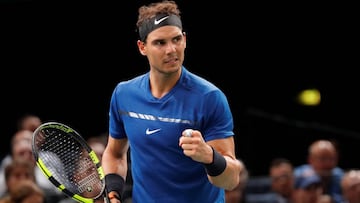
{"x":309,"y":97}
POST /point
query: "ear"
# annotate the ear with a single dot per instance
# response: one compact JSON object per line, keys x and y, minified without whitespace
{"x":141,"y":47}
{"x":184,"y":35}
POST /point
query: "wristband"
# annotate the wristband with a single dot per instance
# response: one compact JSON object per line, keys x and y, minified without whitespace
{"x":116,"y":183}
{"x":218,"y":164}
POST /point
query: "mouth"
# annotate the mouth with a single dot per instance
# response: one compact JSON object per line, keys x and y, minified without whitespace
{"x":171,"y":60}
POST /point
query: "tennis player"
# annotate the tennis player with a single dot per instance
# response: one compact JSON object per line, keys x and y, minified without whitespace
{"x":151,"y":115}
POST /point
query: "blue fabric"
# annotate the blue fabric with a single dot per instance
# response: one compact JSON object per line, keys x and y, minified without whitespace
{"x":306,"y":178}
{"x":334,"y":189}
{"x":269,"y":197}
{"x":160,"y":170}
{"x":258,"y":184}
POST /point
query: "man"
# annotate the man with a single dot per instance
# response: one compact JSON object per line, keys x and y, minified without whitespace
{"x":280,"y":187}
{"x":307,"y":187}
{"x":21,"y":149}
{"x":323,"y":159}
{"x":28,"y":191}
{"x":282,"y":179}
{"x":16,"y":171}
{"x":350,"y":185}
{"x":29,"y":122}
{"x":151,"y":113}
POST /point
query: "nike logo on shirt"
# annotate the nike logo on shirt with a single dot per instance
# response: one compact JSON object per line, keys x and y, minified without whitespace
{"x":149,"y":132}
{"x":156,"y":22}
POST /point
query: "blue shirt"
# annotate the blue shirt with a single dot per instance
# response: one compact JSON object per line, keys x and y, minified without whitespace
{"x":161,"y":172}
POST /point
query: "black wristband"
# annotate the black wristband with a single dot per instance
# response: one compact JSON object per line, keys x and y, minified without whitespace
{"x":115,"y":182}
{"x":217,"y":166}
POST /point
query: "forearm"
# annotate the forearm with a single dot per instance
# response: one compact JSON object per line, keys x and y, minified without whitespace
{"x":230,"y":177}
{"x":217,"y":156}
{"x":114,"y":162}
{"x":114,"y":159}
{"x":115,"y":165}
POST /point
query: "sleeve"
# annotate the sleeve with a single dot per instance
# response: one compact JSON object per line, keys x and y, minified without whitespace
{"x":218,"y":121}
{"x":116,"y":127}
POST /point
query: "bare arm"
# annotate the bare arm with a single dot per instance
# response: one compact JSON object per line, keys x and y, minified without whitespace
{"x":230,"y":178}
{"x":196,"y":148}
{"x":114,"y":159}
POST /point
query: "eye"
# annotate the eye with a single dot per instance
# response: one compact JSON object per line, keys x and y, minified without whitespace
{"x":159,"y":42}
{"x":177,"y":39}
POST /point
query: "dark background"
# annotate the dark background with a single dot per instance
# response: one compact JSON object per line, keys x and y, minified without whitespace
{"x":61,"y":60}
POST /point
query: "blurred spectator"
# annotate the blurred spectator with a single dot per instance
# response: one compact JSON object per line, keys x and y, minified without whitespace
{"x":27,"y":192}
{"x":323,"y":159}
{"x":350,"y":184}
{"x":21,"y":149}
{"x":15,"y":172}
{"x":307,"y":187}
{"x":282,"y":179}
{"x":20,"y":146}
{"x":237,"y":195}
{"x":20,"y":135}
{"x":25,"y":125}
{"x":280,"y":186}
{"x":28,"y":122}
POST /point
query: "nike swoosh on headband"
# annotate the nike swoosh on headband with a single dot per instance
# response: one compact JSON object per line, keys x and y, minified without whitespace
{"x":149,"y":132}
{"x":156,"y":22}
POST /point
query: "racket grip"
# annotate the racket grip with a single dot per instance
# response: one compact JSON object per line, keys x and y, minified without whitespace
{"x":106,"y":199}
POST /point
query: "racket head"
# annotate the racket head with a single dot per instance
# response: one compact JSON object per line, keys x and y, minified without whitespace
{"x":68,"y":162}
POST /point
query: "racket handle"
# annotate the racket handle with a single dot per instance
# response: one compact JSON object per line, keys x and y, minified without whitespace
{"x":106,"y":199}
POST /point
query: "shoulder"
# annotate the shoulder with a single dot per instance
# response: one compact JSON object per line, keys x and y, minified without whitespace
{"x":299,"y":169}
{"x":134,"y":83}
{"x":338,"y":172}
{"x":197,"y":83}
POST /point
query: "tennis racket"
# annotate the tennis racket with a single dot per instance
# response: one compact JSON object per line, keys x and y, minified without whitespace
{"x":68,"y":162}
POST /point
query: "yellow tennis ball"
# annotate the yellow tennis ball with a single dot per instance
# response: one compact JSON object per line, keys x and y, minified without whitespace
{"x":310,"y":97}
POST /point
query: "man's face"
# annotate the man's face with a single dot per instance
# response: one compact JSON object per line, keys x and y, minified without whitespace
{"x":164,"y":49}
{"x":18,"y":174}
{"x":22,"y":150}
{"x":282,"y":179}
{"x":323,"y":162}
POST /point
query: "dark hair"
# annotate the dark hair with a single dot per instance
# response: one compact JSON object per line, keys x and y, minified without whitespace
{"x":148,"y":12}
{"x":278,"y":161}
{"x":19,"y":163}
{"x":24,"y":189}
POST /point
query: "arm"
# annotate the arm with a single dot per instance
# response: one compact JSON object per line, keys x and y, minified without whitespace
{"x":201,"y":151}
{"x":230,"y":178}
{"x":114,"y":159}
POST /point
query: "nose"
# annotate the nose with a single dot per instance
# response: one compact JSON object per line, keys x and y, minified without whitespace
{"x":170,"y":47}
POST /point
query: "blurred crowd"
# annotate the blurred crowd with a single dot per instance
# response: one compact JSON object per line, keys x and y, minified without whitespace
{"x":320,"y":180}
{"x":21,"y":181}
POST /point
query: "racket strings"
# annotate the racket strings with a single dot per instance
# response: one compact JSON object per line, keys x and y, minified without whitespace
{"x":69,"y":162}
